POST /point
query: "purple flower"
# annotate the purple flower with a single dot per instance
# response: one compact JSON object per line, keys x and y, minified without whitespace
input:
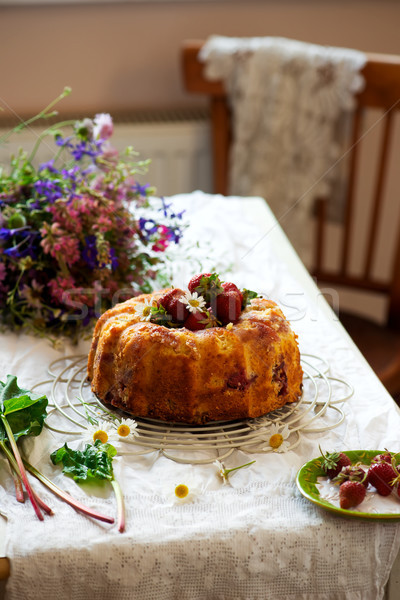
{"x":89,"y":252}
{"x":140,"y":189}
{"x":13,"y":252}
{"x":49,"y":166}
{"x":90,"y":315}
{"x":6,"y":234}
{"x":64,"y":142}
{"x":170,"y":214}
{"x":25,"y":246}
{"x":176,"y":235}
{"x":85,"y":148}
{"x":114,"y":259}
{"x":148,"y":227}
{"x":51,"y":190}
{"x":81,"y":148}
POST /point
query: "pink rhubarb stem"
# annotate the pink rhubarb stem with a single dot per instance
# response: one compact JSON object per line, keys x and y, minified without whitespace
{"x":19,"y":490}
{"x":21,"y":468}
{"x":18,"y":481}
{"x":43,"y":504}
{"x":66,"y":497}
{"x":120,"y":505}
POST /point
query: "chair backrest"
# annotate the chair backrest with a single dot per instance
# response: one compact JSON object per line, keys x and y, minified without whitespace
{"x":382,"y":91}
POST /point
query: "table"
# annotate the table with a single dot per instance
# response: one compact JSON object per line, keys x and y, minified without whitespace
{"x":255,"y":538}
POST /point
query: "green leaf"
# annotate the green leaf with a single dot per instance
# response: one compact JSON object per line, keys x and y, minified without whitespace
{"x":10,"y":389}
{"x":24,"y":411}
{"x":93,"y":464}
{"x":248,"y":295}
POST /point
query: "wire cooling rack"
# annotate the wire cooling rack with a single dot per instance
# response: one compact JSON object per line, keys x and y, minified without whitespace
{"x":72,"y":405}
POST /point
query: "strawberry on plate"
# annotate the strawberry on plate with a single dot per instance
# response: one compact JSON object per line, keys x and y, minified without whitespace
{"x":352,"y":473}
{"x":382,"y":475}
{"x":384,"y":457}
{"x":351,"y":494}
{"x":334,"y":462}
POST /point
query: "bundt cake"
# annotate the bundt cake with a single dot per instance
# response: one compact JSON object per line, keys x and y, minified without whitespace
{"x":212,"y":353}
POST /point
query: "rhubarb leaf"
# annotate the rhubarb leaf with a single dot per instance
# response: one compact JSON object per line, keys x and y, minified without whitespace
{"x":24,"y":411}
{"x":93,"y":464}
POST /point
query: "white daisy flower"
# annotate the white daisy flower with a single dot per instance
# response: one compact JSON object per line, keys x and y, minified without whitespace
{"x":184,"y":493}
{"x":143,"y":309}
{"x":193,"y":301}
{"x":103,"y":431}
{"x":277,"y":440}
{"x":221,"y":471}
{"x":126,"y":428}
{"x":224,"y":472}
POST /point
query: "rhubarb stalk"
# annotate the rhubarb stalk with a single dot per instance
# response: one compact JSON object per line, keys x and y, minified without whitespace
{"x":19,"y":489}
{"x":120,"y":505}
{"x":21,"y":468}
{"x":18,"y":480}
{"x":66,"y":497}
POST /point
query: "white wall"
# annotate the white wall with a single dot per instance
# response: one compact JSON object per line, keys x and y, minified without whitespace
{"x":124,"y":56}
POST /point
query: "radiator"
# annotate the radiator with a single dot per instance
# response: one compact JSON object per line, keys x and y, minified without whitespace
{"x":177,"y":143}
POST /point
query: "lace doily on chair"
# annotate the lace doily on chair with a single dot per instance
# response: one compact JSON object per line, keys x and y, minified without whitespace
{"x":287,"y":98}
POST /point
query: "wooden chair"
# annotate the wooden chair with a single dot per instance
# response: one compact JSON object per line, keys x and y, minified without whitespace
{"x":380,"y":344}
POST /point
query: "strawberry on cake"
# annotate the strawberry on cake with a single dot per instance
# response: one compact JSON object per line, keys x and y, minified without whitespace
{"x":210,"y":353}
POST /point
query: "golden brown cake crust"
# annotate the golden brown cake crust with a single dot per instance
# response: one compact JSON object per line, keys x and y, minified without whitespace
{"x":178,"y":375}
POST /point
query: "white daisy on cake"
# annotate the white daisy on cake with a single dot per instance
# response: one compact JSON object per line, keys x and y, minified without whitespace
{"x":193,"y":301}
{"x":143,"y":309}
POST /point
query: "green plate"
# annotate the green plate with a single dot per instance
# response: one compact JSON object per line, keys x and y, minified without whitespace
{"x":307,"y":478}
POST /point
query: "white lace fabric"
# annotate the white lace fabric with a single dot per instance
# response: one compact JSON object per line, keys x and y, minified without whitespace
{"x":287,"y":98}
{"x":257,"y":538}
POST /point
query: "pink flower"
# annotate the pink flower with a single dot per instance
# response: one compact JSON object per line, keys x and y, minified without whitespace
{"x":56,"y":229}
{"x":110,"y":154}
{"x":161,"y":244}
{"x":103,"y":224}
{"x":103,"y":126}
{"x":69,"y":248}
{"x":59,"y":286}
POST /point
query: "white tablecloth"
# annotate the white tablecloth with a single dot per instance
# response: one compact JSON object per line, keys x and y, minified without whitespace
{"x":257,"y":538}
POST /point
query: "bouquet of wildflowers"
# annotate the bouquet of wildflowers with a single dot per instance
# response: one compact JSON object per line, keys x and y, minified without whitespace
{"x":74,"y":235}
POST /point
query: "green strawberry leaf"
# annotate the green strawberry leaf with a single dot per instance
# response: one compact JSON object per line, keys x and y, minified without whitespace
{"x":209,"y":287}
{"x":248,"y":295}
